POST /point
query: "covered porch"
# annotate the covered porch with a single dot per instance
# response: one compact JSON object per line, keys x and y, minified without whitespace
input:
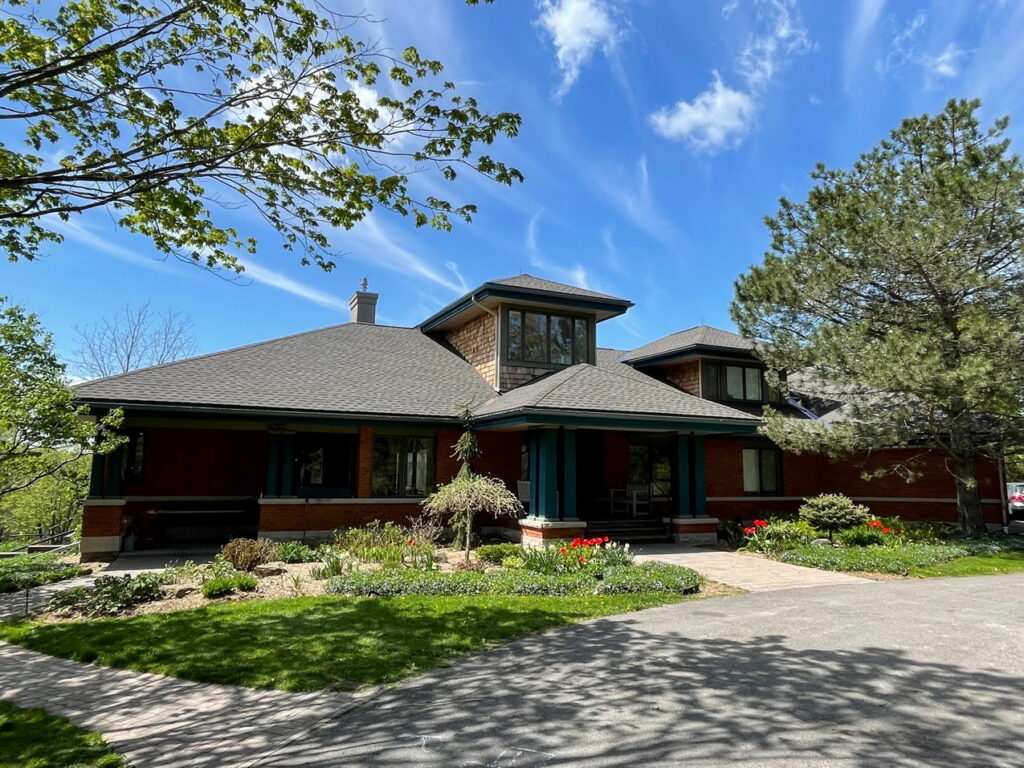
{"x":629,"y":478}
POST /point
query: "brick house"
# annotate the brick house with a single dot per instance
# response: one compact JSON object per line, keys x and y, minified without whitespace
{"x":297,"y":436}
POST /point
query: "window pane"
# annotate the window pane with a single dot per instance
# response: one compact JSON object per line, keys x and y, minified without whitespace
{"x":750,"y":471}
{"x":713,"y":376}
{"x":561,"y":340}
{"x":387,"y":466}
{"x":769,"y":472}
{"x":579,"y":342}
{"x":661,"y":471}
{"x":419,"y":478}
{"x":753,"y":377}
{"x":734,"y":382}
{"x":639,"y":465}
{"x":515,"y":335}
{"x":536,"y":337}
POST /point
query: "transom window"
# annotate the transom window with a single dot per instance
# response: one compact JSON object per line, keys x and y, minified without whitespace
{"x":545,"y":337}
{"x":403,"y":466}
{"x":761,"y":471}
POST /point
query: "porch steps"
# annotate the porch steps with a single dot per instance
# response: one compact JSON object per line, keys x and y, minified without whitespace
{"x":641,"y":531}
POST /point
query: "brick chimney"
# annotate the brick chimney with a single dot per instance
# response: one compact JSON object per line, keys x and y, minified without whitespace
{"x":363,"y":305}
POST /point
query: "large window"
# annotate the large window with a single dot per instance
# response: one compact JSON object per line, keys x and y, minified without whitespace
{"x":724,"y":381}
{"x":403,"y":466}
{"x":132,"y":454}
{"x":324,"y":464}
{"x":761,"y":471}
{"x":543,"y":337}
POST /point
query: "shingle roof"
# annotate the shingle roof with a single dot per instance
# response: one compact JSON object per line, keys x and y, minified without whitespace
{"x":611,"y":388}
{"x":351,"y":368}
{"x":539,"y":284}
{"x":700,"y":336}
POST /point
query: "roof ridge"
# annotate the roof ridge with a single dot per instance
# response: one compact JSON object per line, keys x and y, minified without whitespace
{"x":239,"y":348}
{"x":580,"y":367}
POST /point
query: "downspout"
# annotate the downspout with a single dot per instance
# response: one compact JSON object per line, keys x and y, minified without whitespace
{"x":497,"y":341}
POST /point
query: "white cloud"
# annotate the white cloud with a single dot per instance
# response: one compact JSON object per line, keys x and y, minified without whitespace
{"x":906,"y":50}
{"x":630,"y":192}
{"x":282,"y":282}
{"x":575,"y":274}
{"x":947,"y":63}
{"x":721,"y":116}
{"x":716,"y":119}
{"x":577,"y":28}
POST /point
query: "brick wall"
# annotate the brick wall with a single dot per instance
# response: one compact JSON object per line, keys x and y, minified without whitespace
{"x":685,"y":375}
{"x":807,"y":474}
{"x":364,"y":468}
{"x":476,"y":341}
{"x":102,"y":521}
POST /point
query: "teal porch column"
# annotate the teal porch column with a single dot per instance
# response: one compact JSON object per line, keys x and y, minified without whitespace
{"x":700,"y":502}
{"x":273,"y":447}
{"x":287,"y":463}
{"x":116,"y":467}
{"x":684,"y":488}
{"x":545,"y":502}
{"x":569,"y":474}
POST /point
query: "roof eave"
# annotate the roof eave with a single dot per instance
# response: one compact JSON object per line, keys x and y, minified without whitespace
{"x":608,"y":307}
{"x":573,"y":417}
{"x":694,"y":350}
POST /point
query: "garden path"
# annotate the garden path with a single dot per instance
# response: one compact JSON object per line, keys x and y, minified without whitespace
{"x":746,"y":571}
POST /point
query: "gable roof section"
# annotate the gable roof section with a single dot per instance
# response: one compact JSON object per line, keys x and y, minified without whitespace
{"x":690,"y":341}
{"x":594,"y":389}
{"x":353,"y":368}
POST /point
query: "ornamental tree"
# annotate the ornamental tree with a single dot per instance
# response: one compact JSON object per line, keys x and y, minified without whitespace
{"x":167,"y":114}
{"x":897,"y":288}
{"x":469,"y":495}
{"x":42,"y":430}
{"x":831,"y":512}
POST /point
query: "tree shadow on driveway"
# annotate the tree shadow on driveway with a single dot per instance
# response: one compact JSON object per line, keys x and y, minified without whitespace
{"x":609,"y":694}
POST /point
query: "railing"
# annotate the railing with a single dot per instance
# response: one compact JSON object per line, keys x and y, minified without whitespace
{"x":38,"y":545}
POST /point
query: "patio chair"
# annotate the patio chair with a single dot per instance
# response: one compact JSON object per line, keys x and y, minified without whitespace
{"x":630,"y":499}
{"x":523,"y":491}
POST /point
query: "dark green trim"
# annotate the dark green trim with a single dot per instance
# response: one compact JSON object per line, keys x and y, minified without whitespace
{"x":700,"y":502}
{"x":99,"y":464}
{"x":505,"y":360}
{"x":547,"y":490}
{"x":696,"y":350}
{"x":569,"y":473}
{"x":528,"y":417}
{"x":224,"y":413}
{"x":273,"y":449}
{"x":613,"y":306}
{"x":116,"y":468}
{"x":681,"y":468}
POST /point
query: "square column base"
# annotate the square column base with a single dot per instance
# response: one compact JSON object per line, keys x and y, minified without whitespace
{"x":540,"y":531}
{"x":696,"y":531}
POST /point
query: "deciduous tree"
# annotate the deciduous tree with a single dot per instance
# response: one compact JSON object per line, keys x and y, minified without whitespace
{"x":134,"y":337}
{"x":899,"y":286}
{"x":166,"y":113}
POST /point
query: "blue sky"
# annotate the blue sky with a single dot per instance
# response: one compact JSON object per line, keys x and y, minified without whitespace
{"x":656,"y":136}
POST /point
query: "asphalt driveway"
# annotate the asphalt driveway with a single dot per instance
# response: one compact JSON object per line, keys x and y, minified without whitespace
{"x":910,"y":673}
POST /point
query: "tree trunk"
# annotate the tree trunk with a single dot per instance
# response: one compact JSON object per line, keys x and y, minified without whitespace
{"x":968,"y":498}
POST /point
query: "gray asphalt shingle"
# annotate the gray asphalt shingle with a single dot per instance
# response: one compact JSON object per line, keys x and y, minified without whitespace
{"x":349,"y":368}
{"x":539,"y":284}
{"x":700,"y":336}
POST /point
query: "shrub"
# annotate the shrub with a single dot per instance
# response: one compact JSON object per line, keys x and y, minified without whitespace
{"x":246,"y":554}
{"x":226,"y":585}
{"x":387,"y":544}
{"x":496,"y":553}
{"x":650,"y":577}
{"x":874,"y":533}
{"x":923,"y":532}
{"x":469,"y":565}
{"x":191,"y":573}
{"x":296,"y":552}
{"x":770,"y":537}
{"x":514,"y":563}
{"x":831,"y":512}
{"x":23,"y":571}
{"x":108,"y":595}
{"x":898,"y":560}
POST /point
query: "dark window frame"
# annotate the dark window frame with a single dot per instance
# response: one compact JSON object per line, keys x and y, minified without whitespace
{"x":326,"y":490}
{"x":401,"y":481}
{"x":761,"y":450}
{"x":577,"y":319}
{"x":653,"y":447}
{"x":717,"y":381}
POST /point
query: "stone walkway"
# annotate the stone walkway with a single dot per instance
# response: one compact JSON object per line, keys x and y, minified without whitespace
{"x":163,"y":722}
{"x":749,"y":572}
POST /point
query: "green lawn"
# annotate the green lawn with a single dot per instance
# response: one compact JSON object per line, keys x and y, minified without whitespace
{"x":24,"y":571}
{"x":31,"y":738}
{"x":976,"y":565}
{"x":313,"y":643}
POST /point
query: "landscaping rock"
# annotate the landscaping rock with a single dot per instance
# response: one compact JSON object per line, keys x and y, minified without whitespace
{"x":181,"y":592}
{"x":822,"y":543}
{"x":269,"y":569}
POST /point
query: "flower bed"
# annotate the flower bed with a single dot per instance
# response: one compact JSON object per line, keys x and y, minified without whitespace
{"x":899,"y":560}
